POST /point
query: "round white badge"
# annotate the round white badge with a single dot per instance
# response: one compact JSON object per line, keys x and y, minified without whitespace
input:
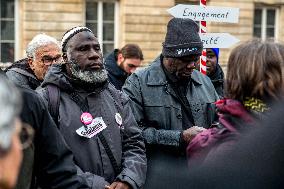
{"x":118,"y":119}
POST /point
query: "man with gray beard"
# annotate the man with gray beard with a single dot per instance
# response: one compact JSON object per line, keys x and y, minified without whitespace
{"x":94,"y":118}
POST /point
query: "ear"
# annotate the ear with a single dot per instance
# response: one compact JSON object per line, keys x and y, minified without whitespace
{"x":120,"y":59}
{"x":30,"y":62}
{"x":64,"y":56}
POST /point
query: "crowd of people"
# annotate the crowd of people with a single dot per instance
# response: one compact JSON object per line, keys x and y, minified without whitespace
{"x":70,"y":118}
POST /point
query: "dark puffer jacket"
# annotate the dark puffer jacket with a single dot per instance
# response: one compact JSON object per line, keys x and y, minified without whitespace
{"x":125,"y":141}
{"x":218,"y":80}
{"x":21,"y":74}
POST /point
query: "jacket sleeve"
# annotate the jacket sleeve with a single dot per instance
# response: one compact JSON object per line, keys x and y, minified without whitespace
{"x":93,"y":181}
{"x":134,"y":162}
{"x":151,"y":135}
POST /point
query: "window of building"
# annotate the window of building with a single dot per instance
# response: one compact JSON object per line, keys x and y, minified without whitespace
{"x":101,"y":19}
{"x":265,"y":23}
{"x":7,"y":30}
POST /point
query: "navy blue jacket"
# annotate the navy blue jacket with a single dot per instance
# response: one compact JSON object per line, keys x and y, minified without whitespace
{"x":116,"y":75}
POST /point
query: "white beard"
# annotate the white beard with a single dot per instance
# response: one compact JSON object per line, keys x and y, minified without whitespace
{"x":92,"y":77}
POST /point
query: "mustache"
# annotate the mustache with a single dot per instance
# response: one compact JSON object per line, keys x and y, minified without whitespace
{"x":76,"y":66}
{"x":73,"y":63}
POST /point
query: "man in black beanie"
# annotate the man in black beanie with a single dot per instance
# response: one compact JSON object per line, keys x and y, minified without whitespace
{"x":171,"y":101}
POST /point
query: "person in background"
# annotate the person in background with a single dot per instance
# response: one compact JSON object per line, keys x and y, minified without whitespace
{"x":123,"y":62}
{"x":171,"y":101}
{"x":10,"y":127}
{"x":214,"y":70}
{"x":42,"y":51}
{"x":254,"y":81}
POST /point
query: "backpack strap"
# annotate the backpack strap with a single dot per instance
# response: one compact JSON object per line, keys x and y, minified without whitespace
{"x":53,"y":94}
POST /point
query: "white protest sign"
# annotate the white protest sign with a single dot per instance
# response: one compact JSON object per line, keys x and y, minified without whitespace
{"x":217,"y":40}
{"x":208,"y":13}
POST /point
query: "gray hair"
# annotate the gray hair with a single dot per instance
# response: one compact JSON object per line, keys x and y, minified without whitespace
{"x":10,"y":107}
{"x":39,"y":41}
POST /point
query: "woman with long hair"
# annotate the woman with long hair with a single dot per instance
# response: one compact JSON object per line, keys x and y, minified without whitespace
{"x":254,"y":82}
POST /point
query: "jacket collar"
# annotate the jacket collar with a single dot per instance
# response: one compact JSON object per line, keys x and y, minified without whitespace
{"x":232,"y":114}
{"x":22,"y":67}
{"x":218,"y":75}
{"x":157,"y":76}
{"x":112,"y":67}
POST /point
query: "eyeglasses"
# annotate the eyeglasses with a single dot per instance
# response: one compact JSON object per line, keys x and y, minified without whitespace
{"x":48,"y":60}
{"x":26,"y":135}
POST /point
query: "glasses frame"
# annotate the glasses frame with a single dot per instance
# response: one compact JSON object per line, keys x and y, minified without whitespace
{"x":48,"y":60}
{"x":26,"y":135}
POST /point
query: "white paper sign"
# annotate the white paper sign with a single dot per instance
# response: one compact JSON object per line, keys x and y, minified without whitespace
{"x":92,"y":129}
{"x":217,"y":40}
{"x":208,"y":13}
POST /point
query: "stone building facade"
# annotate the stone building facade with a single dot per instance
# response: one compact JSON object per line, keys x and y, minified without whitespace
{"x":117,"y":22}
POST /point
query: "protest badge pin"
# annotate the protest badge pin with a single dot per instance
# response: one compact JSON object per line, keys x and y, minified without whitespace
{"x":118,"y":119}
{"x":86,"y":118}
{"x":92,"y":129}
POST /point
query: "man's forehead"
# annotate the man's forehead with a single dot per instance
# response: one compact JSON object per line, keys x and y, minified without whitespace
{"x":49,"y":48}
{"x":210,"y":51}
{"x":84,"y":36}
{"x":133,"y":61}
{"x":189,"y":57}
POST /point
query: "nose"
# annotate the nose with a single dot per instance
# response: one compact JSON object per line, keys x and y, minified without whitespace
{"x":94,"y":54}
{"x":190,"y":65}
{"x":132,"y":70}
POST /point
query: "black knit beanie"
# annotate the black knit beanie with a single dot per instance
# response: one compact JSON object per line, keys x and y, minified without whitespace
{"x":182,"y":38}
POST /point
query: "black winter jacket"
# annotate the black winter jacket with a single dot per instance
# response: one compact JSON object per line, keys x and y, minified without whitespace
{"x":158,"y":111}
{"x":53,"y":165}
{"x":116,"y":75}
{"x":218,"y":81}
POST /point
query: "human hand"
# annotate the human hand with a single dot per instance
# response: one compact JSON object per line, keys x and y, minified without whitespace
{"x":189,"y":134}
{"x":118,"y":185}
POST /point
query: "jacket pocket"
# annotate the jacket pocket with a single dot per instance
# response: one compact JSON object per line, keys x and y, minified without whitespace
{"x":161,"y":113}
{"x":204,"y":113}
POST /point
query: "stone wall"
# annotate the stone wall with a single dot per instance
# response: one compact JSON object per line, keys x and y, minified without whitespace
{"x":142,"y":22}
{"x":53,"y":17}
